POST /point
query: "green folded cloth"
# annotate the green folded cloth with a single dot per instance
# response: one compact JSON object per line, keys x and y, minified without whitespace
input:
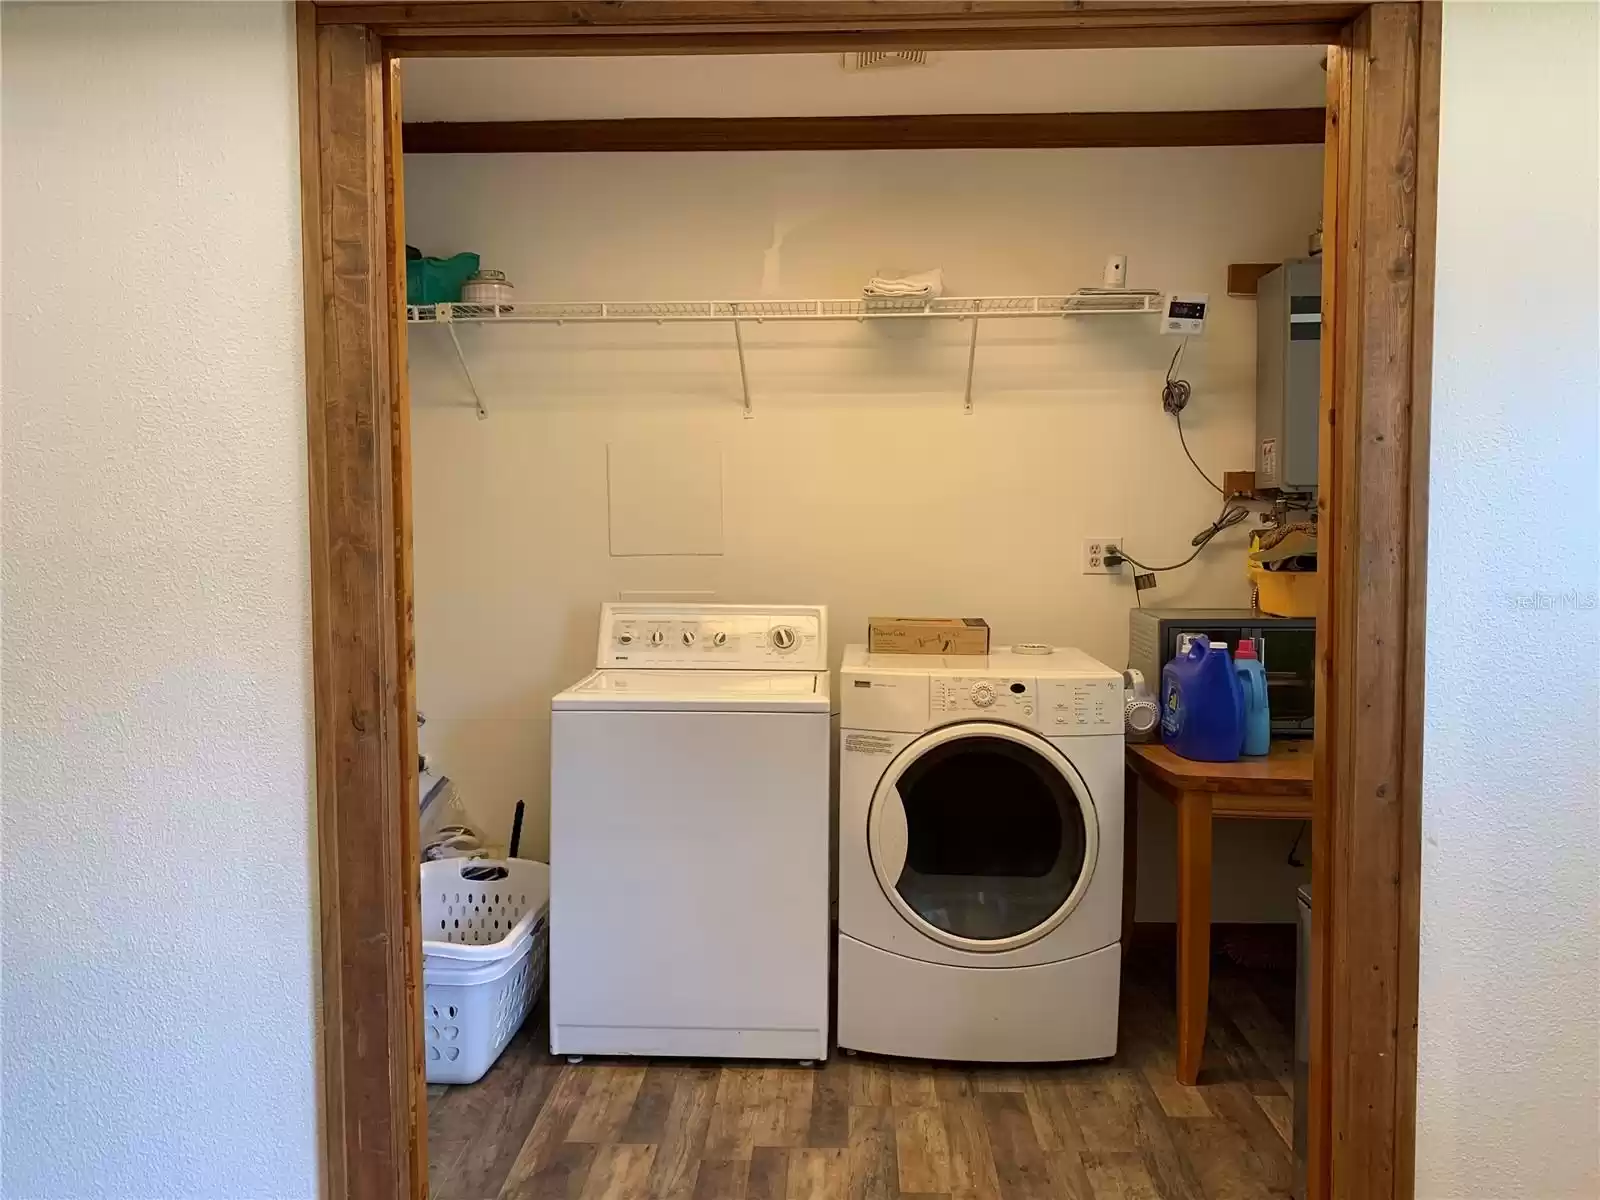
{"x":438,"y":280}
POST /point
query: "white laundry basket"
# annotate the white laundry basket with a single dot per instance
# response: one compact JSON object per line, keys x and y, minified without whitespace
{"x":485,"y":951}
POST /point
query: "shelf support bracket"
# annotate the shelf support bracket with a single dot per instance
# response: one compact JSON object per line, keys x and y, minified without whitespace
{"x":483,"y":413}
{"x":972,"y":361}
{"x":744,"y":375}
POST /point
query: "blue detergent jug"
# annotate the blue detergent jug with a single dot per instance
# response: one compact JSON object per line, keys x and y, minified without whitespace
{"x":1202,"y":704}
{"x":1252,"y":674}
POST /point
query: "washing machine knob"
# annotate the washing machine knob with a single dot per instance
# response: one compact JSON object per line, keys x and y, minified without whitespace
{"x":625,"y":638}
{"x":688,"y":637}
{"x":657,"y":637}
{"x":783,"y":637}
{"x":719,"y":638}
{"x":983,"y":694}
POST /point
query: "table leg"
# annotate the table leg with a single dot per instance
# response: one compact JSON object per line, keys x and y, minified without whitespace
{"x":1130,"y":856}
{"x":1194,"y":929}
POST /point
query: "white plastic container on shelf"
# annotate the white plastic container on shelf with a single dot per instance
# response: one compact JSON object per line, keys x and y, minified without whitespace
{"x":485,"y":953}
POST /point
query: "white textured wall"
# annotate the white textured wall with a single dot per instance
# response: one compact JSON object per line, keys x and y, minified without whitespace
{"x":1509,"y":1072}
{"x":858,"y":483}
{"x":158,"y":920}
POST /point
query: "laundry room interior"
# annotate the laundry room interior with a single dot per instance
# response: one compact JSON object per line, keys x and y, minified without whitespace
{"x":683,"y":391}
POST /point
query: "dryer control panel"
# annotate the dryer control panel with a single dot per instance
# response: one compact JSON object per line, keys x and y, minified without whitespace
{"x":729,"y":637}
{"x":1054,"y":707}
{"x":1013,"y":700}
{"x":1081,"y":706}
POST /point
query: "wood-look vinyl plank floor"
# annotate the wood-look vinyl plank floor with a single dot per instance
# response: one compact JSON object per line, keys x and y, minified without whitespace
{"x":869,"y":1128}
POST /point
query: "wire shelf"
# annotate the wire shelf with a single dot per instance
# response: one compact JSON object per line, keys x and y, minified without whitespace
{"x":1085,"y":303}
{"x":976,"y":309}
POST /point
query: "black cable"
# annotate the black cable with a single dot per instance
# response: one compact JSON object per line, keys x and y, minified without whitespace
{"x":1182,"y":441}
{"x":1292,"y":860}
{"x":1230,"y":516}
{"x":1175,"y":393}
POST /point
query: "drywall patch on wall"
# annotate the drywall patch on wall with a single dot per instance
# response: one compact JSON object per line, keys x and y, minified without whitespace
{"x":158,"y":919}
{"x":664,"y":496}
{"x":858,"y":482}
{"x":1508,"y":1079}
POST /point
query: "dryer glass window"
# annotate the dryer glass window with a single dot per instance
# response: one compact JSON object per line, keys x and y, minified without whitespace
{"x":995,"y":838}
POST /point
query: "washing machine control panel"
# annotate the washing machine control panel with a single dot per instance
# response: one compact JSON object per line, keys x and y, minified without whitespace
{"x":1004,"y":699}
{"x":725,"y":636}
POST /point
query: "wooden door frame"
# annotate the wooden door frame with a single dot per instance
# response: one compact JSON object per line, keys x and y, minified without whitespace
{"x":1381,"y":148}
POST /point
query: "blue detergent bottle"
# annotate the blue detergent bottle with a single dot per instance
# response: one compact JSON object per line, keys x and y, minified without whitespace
{"x":1202,"y":704}
{"x":1252,"y":674}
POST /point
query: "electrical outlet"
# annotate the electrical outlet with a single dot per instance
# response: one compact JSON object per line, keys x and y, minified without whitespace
{"x":1094,"y":556}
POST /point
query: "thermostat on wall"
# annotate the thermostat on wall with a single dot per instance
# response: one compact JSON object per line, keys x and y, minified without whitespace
{"x":1185,"y":313}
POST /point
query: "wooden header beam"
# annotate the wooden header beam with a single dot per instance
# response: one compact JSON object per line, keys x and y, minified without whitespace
{"x":472,"y":27}
{"x":963,"y":131}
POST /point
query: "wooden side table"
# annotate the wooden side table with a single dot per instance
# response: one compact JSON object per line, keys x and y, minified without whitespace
{"x":1276,"y":786}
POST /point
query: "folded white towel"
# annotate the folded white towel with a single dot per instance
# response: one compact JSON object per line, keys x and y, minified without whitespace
{"x":925,"y":284}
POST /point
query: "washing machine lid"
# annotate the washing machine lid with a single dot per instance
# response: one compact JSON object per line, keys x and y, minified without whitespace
{"x":624,"y":690}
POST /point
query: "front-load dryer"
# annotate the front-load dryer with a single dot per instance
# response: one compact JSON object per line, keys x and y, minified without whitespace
{"x":980,"y":856}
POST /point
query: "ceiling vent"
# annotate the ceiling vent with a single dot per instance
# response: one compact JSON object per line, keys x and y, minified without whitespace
{"x":873,"y":60}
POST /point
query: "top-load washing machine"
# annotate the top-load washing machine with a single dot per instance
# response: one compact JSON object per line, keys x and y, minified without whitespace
{"x":689,"y":836}
{"x":980,"y":856}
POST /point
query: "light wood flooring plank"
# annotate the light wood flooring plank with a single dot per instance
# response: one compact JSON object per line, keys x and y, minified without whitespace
{"x":822,"y":1174}
{"x":922,"y":1149}
{"x":1173,"y":1175}
{"x":1020,"y":1164}
{"x":869,"y":1081}
{"x":1176,"y":1099}
{"x":1104,"y":1103}
{"x":620,"y":1172}
{"x":769,"y":1174}
{"x":724,"y":1179}
{"x":874,"y":1174}
{"x":549,"y":1131}
{"x":953,"y":1083}
{"x":1001,"y":1079}
{"x":1221,"y":1160}
{"x":1262,"y":1152}
{"x":783,"y":1112}
{"x":912,"y":1087}
{"x":1051,"y":1110}
{"x":1280,"y":1111}
{"x":1067,"y":1176}
{"x":830,"y":1107}
{"x":1118,"y":1177}
{"x":677,"y":1162}
{"x":1272,"y":1043}
{"x":488,"y":1122}
{"x":647,"y":1120}
{"x":1233,"y":1058}
{"x":972,"y":1168}
{"x":733,"y":1119}
{"x":562,"y":1175}
{"x":607,"y":1104}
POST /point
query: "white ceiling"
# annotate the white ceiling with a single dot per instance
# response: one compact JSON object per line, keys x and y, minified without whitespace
{"x":773,"y":85}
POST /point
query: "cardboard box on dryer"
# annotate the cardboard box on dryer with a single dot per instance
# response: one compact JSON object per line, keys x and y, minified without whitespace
{"x":927,"y":635}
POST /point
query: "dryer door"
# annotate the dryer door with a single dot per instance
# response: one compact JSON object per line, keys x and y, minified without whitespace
{"x":983,"y":836}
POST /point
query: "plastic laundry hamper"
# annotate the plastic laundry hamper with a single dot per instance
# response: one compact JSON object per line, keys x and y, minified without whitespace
{"x":485,"y":952}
